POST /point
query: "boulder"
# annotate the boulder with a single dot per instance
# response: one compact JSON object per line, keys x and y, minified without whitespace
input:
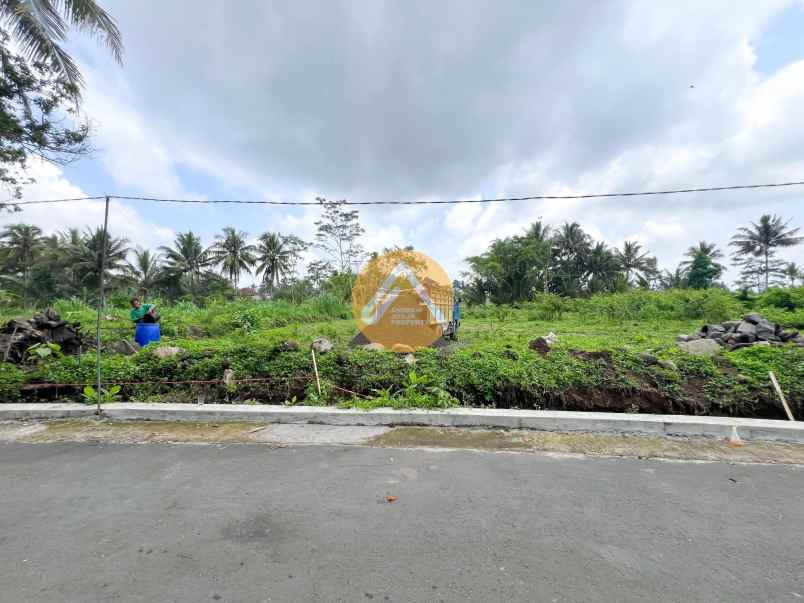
{"x":540,"y":345}
{"x":752,"y":318}
{"x":700,"y":347}
{"x":125,"y":347}
{"x":787,"y":335}
{"x":288,"y":346}
{"x":409,"y":359}
{"x":682,"y":337}
{"x":167,"y":351}
{"x":710,"y":330}
{"x":648,"y":359}
{"x":322,"y":345}
{"x":667,"y":364}
{"x":765,"y":329}
{"x":746,"y":328}
{"x":730,"y":325}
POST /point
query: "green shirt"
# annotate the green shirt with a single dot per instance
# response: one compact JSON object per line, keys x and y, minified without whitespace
{"x":139,"y":313}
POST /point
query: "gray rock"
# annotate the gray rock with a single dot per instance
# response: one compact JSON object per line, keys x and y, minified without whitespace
{"x":788,"y":335}
{"x":125,"y":347}
{"x":167,"y":351}
{"x":746,"y":328}
{"x":682,"y":337}
{"x":762,"y":343}
{"x":373,"y":347}
{"x":766,"y":328}
{"x":288,"y":346}
{"x":409,"y":359}
{"x":322,"y":345}
{"x":730,"y":325}
{"x":753,"y":318}
{"x":648,"y":359}
{"x":668,"y":364}
{"x":710,"y":330}
{"x":700,"y":347}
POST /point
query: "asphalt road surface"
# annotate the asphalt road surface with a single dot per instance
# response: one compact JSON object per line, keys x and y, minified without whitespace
{"x":158,"y":522}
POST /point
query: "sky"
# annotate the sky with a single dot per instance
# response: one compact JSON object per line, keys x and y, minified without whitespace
{"x":417,"y":100}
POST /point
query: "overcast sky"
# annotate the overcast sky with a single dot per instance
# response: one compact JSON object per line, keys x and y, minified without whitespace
{"x":418,"y":100}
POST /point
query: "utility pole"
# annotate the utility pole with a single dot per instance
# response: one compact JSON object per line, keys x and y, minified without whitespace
{"x":100,"y":306}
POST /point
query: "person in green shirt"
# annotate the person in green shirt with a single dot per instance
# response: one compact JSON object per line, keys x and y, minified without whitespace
{"x":142,"y":312}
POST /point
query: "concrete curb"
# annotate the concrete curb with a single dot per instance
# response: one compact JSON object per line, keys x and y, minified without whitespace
{"x":540,"y":420}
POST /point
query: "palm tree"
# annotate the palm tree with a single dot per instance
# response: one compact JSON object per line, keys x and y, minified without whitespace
{"x":145,"y":270}
{"x":603,"y":269}
{"x":570,"y":247}
{"x":703,"y":249}
{"x":538,"y":231}
{"x":761,"y":240}
{"x":274,"y":258}
{"x":701,"y":270}
{"x":674,"y":280}
{"x":633,"y":259}
{"x":87,"y":259}
{"x":187,"y":258}
{"x":22,"y":243}
{"x":231,"y":252}
{"x":793,"y":272}
{"x":40,"y":27}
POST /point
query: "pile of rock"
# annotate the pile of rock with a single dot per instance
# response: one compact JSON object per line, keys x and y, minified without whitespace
{"x":17,"y":335}
{"x":753,"y":329}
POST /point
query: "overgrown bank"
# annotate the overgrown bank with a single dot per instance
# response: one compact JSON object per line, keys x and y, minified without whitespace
{"x":630,"y":364}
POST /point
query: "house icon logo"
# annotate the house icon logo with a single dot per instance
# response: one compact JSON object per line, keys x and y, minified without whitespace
{"x":402,"y":300}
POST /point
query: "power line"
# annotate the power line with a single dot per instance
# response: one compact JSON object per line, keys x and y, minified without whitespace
{"x":676,"y":191}
{"x":42,"y":201}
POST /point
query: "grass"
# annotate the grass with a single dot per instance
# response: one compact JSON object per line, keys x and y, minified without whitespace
{"x":605,"y":358}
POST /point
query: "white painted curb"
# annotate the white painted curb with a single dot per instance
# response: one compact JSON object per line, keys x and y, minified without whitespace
{"x":541,"y":420}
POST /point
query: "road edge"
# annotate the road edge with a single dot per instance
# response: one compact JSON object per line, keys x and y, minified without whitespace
{"x":538,"y":420}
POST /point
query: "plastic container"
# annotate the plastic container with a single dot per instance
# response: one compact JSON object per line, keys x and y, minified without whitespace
{"x":146,"y":332}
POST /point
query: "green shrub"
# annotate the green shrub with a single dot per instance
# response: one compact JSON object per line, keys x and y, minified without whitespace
{"x":11,"y":378}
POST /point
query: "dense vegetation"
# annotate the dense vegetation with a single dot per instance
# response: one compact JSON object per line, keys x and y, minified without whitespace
{"x":615,"y":351}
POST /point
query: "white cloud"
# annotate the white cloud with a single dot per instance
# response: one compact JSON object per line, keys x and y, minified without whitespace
{"x":51,"y":184}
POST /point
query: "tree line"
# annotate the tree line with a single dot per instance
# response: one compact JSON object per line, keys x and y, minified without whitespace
{"x":567,"y":261}
{"x":36,"y":268}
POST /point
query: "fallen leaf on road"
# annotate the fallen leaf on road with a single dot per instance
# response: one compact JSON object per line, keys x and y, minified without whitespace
{"x":390,"y":499}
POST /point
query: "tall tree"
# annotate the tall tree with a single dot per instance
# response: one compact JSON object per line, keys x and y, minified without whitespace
{"x":22,"y":243}
{"x":186,"y":260}
{"x":274,"y":258}
{"x":233,"y":254}
{"x":792,"y":272}
{"x":338,"y":234}
{"x":40,"y":28}
{"x":603,"y":267}
{"x":634,"y":261}
{"x":701,"y":269}
{"x":146,"y":270}
{"x":40,"y":87}
{"x":88,"y":259}
{"x":760,"y":240}
{"x":570,"y":251}
{"x":512,"y":268}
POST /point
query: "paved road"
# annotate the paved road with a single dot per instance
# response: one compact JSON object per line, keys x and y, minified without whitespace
{"x":83,"y":522}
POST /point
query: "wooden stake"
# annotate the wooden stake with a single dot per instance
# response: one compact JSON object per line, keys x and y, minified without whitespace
{"x":315,"y":368}
{"x":781,"y":395}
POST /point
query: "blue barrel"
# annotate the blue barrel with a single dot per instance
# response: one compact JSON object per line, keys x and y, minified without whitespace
{"x":146,"y":332}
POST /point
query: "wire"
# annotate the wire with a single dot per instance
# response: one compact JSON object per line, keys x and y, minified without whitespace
{"x":40,"y":201}
{"x":456,"y":201}
{"x":676,"y":191}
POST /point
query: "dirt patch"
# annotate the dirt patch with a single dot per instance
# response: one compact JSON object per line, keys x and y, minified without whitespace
{"x":589,"y":444}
